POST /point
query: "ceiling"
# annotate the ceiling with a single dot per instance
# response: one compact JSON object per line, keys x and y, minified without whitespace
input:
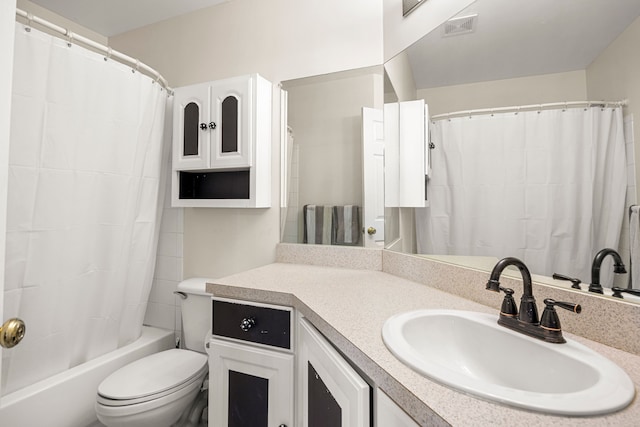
{"x":113,"y":17}
{"x":518,"y":38}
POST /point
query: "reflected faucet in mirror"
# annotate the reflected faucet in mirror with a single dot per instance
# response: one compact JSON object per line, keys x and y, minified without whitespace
{"x":526,"y":322}
{"x":575,"y":282}
{"x":618,"y":268}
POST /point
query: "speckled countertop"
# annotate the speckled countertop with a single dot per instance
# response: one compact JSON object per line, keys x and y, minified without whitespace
{"x":349,"y":307}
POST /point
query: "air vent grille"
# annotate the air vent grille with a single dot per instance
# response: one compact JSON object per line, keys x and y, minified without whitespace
{"x":460,"y":25}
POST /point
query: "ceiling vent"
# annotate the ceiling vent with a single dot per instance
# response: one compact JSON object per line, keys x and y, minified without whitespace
{"x":460,"y":25}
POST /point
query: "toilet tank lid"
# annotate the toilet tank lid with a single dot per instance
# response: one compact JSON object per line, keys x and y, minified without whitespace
{"x":195,"y":285}
{"x":153,"y":374}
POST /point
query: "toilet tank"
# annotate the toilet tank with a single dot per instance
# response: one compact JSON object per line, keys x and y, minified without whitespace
{"x":196,"y":313}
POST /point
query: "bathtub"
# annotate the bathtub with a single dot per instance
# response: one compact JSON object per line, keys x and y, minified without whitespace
{"x":67,"y":399}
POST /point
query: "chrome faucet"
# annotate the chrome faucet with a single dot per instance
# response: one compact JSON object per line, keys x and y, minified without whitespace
{"x":526,"y":321}
{"x":618,"y":268}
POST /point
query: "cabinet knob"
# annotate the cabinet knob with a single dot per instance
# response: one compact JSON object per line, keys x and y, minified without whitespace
{"x":212,"y":125}
{"x":247,"y":323}
{"x":203,"y":126}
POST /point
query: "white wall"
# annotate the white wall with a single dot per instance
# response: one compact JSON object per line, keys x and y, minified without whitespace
{"x":281,"y":40}
{"x":615,"y":75}
{"x":560,"y":87}
{"x":400,"y":76}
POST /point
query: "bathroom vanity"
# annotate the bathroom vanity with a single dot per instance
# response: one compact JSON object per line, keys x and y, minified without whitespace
{"x":347,"y":294}
{"x":252,"y":369}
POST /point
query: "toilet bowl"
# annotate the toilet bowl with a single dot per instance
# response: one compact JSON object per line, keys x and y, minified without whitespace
{"x":151,"y":392}
{"x":157,"y":390}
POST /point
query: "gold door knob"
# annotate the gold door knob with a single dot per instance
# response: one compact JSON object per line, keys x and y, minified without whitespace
{"x":371,"y":231}
{"x":12,"y":332}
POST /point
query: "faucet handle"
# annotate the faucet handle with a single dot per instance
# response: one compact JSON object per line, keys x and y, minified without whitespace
{"x":550,"y":320}
{"x":617,"y":292}
{"x":509,"y":307}
{"x":575,"y":283}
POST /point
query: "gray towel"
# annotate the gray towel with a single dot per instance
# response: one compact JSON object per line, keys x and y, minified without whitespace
{"x":317,"y":224}
{"x":346,"y":225}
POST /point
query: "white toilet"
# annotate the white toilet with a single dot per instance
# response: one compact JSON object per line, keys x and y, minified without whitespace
{"x":156,"y":390}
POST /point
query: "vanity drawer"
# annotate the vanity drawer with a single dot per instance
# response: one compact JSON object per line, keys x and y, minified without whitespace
{"x":252,"y":322}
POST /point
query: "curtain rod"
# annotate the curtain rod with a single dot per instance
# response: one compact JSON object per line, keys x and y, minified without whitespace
{"x":533,"y":107}
{"x":109,"y":52}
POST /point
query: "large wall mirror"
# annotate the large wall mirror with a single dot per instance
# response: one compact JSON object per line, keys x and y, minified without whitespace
{"x":332,"y":119}
{"x":503,"y":53}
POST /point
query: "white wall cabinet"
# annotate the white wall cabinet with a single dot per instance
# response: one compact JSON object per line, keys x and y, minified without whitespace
{"x":330,"y":391}
{"x":222,"y":143}
{"x":406,"y":134}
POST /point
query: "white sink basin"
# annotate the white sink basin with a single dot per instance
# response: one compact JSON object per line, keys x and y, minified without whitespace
{"x":470,"y":352}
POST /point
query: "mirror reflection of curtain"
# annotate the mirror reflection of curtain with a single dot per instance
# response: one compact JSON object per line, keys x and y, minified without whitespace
{"x":83,"y":210}
{"x":547,"y":187}
{"x":290,"y":213}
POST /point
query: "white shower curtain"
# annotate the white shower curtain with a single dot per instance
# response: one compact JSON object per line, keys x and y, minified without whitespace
{"x":83,"y":208}
{"x":547,"y":187}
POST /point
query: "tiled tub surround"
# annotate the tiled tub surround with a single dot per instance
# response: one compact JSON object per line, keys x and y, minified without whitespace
{"x":349,"y":306}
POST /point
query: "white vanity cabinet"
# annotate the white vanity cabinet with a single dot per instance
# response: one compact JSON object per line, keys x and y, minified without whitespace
{"x":222,"y":143}
{"x":388,"y":414}
{"x":251,"y":365}
{"x":330,"y":391}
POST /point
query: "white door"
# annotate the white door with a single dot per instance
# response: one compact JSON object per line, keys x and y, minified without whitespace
{"x":373,"y":176}
{"x":7,"y":22}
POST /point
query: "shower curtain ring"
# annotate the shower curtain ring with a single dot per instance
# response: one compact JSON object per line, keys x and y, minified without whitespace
{"x":137,"y":66}
{"x":109,"y":53}
{"x":69,"y":38}
{"x":27,"y":27}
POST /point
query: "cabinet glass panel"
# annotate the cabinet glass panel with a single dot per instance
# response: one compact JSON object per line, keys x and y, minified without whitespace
{"x":230,"y":130}
{"x":323,"y":409}
{"x":248,"y":400}
{"x":191,"y":123}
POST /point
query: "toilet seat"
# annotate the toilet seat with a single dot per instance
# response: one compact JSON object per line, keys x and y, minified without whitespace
{"x":153,"y":377}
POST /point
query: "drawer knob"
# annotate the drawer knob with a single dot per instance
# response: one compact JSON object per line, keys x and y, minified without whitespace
{"x":247,"y":323}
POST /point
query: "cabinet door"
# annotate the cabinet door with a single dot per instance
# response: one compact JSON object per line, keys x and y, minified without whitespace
{"x":191,"y":132}
{"x":249,"y":386}
{"x":232,"y":106}
{"x":331,"y":392}
{"x":388,"y":414}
